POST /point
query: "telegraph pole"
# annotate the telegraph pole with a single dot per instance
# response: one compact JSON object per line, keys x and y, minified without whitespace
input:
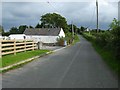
{"x":97,"y":15}
{"x":72,"y":32}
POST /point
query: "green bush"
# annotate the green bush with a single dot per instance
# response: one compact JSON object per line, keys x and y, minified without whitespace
{"x":109,"y":40}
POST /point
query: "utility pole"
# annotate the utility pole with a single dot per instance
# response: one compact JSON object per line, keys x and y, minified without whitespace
{"x":97,"y":15}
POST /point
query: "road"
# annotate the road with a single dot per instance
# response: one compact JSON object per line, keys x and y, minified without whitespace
{"x":77,"y":66}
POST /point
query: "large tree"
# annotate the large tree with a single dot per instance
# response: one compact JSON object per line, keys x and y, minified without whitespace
{"x":38,"y":26}
{"x":22,"y":28}
{"x":14,"y":30}
{"x":1,"y":30}
{"x":53,"y":20}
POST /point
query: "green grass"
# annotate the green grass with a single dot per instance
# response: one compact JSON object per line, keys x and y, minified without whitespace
{"x":108,"y":58}
{"x":76,"y":39}
{"x":107,"y":55}
{"x":12,"y":59}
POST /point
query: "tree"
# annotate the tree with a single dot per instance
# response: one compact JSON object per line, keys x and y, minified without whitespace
{"x":74,"y":28}
{"x":82,"y":28}
{"x":14,"y":30}
{"x":115,"y":31}
{"x":1,"y":29}
{"x":38,"y":26}
{"x":31,"y":26}
{"x":22,"y":28}
{"x":53,"y":20}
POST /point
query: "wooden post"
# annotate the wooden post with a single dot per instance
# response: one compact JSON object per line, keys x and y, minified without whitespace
{"x":25,"y":44}
{"x":0,"y":48}
{"x":33,"y":45}
{"x":14,"y":47}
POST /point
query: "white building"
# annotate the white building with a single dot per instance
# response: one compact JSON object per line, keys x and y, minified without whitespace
{"x":17,"y":36}
{"x":45,"y":35}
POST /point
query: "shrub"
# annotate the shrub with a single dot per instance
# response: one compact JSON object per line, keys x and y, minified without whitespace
{"x":60,"y":41}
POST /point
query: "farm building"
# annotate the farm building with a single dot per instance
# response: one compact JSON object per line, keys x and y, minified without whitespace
{"x":45,"y":35}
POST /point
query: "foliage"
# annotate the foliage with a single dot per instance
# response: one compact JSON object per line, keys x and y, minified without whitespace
{"x":82,"y":28}
{"x":115,"y":26}
{"x":22,"y":28}
{"x":106,"y":54}
{"x":53,"y":20}
{"x":60,"y":41}
{"x":30,"y":26}
{"x":1,"y":29}
{"x":69,"y":38}
{"x":109,"y":40}
{"x":38,"y":26}
{"x":14,"y":30}
{"x":75,"y":28}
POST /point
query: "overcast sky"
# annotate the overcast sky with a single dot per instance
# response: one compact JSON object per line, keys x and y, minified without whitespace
{"x":81,"y":13}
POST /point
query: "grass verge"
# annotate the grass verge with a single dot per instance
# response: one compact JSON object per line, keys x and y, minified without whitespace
{"x":12,"y":59}
{"x":108,"y":58}
{"x":106,"y":55}
{"x":76,"y":39}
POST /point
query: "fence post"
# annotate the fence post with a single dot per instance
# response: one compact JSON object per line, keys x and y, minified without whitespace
{"x":33,"y":45}
{"x":14,"y":47}
{"x":0,"y":48}
{"x":25,"y":44}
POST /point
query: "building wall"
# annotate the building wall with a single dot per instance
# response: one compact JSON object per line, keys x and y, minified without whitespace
{"x":17,"y":36}
{"x":44,"y":39}
{"x":62,"y":34}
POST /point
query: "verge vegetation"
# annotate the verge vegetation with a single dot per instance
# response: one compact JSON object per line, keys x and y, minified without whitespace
{"x":12,"y":59}
{"x":107,"y":44}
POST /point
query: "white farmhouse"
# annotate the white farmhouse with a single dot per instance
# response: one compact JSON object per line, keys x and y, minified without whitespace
{"x":45,"y":35}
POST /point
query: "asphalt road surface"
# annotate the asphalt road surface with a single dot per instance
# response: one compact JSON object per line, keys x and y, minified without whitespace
{"x":77,"y":66}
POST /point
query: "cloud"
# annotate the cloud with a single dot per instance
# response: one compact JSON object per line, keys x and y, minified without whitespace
{"x":81,"y":13}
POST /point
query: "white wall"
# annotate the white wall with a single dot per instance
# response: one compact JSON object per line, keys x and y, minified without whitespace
{"x":17,"y":36}
{"x":62,"y":34}
{"x":0,"y":36}
{"x":44,"y":39}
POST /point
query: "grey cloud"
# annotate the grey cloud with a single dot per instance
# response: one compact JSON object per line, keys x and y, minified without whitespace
{"x":81,"y":13}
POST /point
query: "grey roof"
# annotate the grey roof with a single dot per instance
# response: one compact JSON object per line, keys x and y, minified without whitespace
{"x":42,"y":31}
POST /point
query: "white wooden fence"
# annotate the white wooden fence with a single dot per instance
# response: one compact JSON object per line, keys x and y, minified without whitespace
{"x":14,"y":46}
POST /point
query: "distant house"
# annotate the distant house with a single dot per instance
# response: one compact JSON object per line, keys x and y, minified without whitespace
{"x":87,"y":29}
{"x":45,"y":35}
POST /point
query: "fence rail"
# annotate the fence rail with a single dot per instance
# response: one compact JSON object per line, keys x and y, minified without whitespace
{"x":15,"y":46}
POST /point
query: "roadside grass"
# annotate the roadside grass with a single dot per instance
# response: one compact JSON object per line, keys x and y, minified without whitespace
{"x":106,"y":55}
{"x":12,"y":59}
{"x":76,"y":39}
{"x":108,"y":58}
